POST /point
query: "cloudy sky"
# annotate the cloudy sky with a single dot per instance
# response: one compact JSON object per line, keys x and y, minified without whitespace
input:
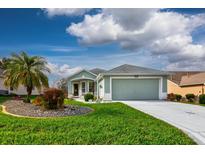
{"x":72,"y":39}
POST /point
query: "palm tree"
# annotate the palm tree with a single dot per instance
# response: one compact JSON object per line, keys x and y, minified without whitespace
{"x":3,"y":63}
{"x":29,"y":71}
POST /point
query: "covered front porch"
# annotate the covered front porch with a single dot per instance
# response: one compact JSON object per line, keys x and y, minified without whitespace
{"x":80,"y":87}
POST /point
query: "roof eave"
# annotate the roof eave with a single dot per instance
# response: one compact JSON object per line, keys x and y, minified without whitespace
{"x":164,"y":74}
{"x":192,"y":84}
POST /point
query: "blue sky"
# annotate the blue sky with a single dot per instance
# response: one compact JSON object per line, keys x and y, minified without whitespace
{"x":159,"y":38}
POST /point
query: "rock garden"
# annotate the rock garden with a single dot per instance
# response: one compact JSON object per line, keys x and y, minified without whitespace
{"x":50,"y":104}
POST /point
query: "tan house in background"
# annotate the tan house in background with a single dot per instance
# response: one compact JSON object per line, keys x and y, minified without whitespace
{"x":20,"y":91}
{"x":186,"y":82}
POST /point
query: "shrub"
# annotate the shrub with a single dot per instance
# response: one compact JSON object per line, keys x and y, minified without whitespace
{"x":88,"y":96}
{"x":95,"y":98}
{"x":202,"y":99}
{"x":178,"y":97}
{"x":53,"y":98}
{"x":190,"y":97}
{"x":37,"y":101}
{"x":171,"y":97}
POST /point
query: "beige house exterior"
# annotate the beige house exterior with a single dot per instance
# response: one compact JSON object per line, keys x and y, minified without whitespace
{"x":20,"y":91}
{"x":176,"y":89}
{"x":186,"y":82}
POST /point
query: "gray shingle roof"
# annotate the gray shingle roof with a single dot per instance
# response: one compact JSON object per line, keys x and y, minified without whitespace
{"x":97,"y":71}
{"x":127,"y":69}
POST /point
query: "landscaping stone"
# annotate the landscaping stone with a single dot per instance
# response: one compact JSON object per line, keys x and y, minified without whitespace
{"x":30,"y":110}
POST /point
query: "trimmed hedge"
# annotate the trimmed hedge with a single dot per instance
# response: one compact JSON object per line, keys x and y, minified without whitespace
{"x":178,"y":97}
{"x":202,"y":99}
{"x":190,"y":97}
{"x":88,"y":97}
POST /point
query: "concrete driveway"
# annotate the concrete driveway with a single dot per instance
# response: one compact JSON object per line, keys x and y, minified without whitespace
{"x":188,"y":118}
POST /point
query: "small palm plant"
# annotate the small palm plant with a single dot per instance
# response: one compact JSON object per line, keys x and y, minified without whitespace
{"x":25,"y":70}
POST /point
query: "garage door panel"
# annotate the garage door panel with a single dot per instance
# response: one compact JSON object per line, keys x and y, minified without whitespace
{"x":135,"y":89}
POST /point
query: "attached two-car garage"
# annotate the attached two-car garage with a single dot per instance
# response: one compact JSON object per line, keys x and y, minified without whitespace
{"x":135,"y":89}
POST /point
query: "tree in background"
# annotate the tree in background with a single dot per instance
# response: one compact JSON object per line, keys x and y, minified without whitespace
{"x":63,"y":85}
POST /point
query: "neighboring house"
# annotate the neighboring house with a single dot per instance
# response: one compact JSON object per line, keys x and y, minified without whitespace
{"x":20,"y":91}
{"x":125,"y":82}
{"x":3,"y":90}
{"x":186,"y":82}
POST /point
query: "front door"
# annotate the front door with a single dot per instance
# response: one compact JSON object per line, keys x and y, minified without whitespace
{"x":75,"y":89}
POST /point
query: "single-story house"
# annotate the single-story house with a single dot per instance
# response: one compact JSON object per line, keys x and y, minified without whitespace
{"x":186,"y":82}
{"x":20,"y":91}
{"x":125,"y":82}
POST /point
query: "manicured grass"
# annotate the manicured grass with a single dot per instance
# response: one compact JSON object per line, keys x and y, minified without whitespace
{"x":3,"y":98}
{"x":112,"y":123}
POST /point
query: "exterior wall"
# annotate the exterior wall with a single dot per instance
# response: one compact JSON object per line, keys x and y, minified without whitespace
{"x":108,"y":85}
{"x":20,"y":91}
{"x":2,"y":85}
{"x":101,"y":88}
{"x":164,"y":87}
{"x":174,"y":88}
{"x":69,"y":88}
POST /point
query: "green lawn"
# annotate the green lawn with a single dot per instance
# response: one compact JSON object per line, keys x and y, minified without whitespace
{"x":3,"y":98}
{"x":112,"y":123}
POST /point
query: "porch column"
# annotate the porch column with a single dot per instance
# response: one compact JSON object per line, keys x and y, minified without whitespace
{"x":97,"y":89}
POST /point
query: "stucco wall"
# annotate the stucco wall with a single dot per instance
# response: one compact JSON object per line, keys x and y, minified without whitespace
{"x":174,"y":88}
{"x":101,"y":88}
{"x":164,"y":86}
{"x":20,"y":91}
{"x":107,"y":84}
{"x":2,"y":85}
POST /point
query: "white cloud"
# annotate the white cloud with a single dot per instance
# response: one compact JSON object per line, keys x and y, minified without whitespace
{"x":130,"y":18}
{"x":166,"y":34}
{"x":63,"y":70}
{"x":66,"y":11}
{"x":96,"y":29}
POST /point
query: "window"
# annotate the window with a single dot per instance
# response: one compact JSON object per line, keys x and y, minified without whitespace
{"x":91,"y":86}
{"x":83,"y":87}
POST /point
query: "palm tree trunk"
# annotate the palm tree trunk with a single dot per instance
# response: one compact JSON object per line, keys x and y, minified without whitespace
{"x":29,"y":91}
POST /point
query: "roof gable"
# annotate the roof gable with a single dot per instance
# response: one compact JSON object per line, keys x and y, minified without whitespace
{"x":83,"y":74}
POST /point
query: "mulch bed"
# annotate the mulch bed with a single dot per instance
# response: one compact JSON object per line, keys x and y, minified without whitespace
{"x":28,"y":109}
